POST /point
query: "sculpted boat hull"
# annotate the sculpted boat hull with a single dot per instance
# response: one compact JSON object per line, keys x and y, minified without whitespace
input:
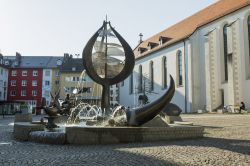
{"x":139,"y":116}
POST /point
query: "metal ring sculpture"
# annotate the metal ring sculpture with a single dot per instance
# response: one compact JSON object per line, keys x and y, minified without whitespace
{"x":106,"y":81}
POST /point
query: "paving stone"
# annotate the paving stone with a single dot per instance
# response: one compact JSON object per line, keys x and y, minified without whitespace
{"x":227,"y":142}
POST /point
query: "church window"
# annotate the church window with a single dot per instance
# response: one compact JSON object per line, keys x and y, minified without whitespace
{"x":179,"y":67}
{"x":151,"y":75}
{"x":225,"y":52}
{"x":131,"y":84}
{"x":164,"y":72}
{"x":140,"y":77}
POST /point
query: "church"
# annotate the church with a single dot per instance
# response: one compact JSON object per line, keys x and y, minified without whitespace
{"x":207,"y":54}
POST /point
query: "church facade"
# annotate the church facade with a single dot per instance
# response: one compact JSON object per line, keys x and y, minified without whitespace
{"x":207,"y":54}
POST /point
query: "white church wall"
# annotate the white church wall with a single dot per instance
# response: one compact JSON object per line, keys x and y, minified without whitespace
{"x":196,"y":70}
{"x":156,"y":57}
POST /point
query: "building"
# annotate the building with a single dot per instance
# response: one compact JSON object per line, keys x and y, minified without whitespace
{"x":30,"y":78}
{"x":3,"y":79}
{"x":207,"y":54}
{"x":73,"y":77}
{"x":51,"y":78}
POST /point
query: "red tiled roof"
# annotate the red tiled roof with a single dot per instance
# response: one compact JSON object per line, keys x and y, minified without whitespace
{"x":186,"y":27}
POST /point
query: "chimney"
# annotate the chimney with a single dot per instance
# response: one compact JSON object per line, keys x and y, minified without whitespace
{"x":141,"y":35}
{"x":18,"y":59}
{"x":66,"y":57}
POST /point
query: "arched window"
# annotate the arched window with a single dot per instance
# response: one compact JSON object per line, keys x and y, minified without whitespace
{"x":131,"y":84}
{"x":179,"y":67}
{"x":248,"y":25}
{"x":140,"y":77}
{"x":151,"y":75}
{"x":164,"y":72}
{"x":225,"y":51}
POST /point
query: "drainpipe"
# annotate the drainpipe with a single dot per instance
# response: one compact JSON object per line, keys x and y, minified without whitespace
{"x":184,"y":53}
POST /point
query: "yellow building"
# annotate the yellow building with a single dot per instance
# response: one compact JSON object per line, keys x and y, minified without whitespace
{"x":55,"y":80}
{"x":75,"y":82}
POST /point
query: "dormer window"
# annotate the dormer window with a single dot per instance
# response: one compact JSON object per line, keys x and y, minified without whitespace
{"x":6,"y":63}
{"x":142,"y":49}
{"x":163,"y":39}
{"x":73,"y":68}
{"x":152,"y":45}
{"x":59,"y":62}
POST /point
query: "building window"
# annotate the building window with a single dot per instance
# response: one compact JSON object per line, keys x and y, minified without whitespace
{"x":47,"y":83}
{"x":57,"y":73}
{"x":24,"y":83}
{"x":164,"y":72}
{"x":140,"y":77}
{"x":13,"y":93}
{"x":57,"y":82}
{"x":24,"y":73}
{"x":225,"y":51}
{"x":77,"y":79}
{"x":13,"y":82}
{"x":179,"y":68}
{"x":74,"y":78}
{"x":131,"y":84}
{"x":1,"y":71}
{"x":13,"y":73}
{"x":35,"y":73}
{"x":122,"y":83}
{"x":23,"y":92}
{"x":73,"y":68}
{"x":34,"y":82}
{"x":67,"y":79}
{"x":47,"y":73}
{"x":34,"y":93}
{"x":47,"y":93}
{"x":151,"y":75}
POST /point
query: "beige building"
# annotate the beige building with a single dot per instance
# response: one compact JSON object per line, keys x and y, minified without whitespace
{"x":72,"y":77}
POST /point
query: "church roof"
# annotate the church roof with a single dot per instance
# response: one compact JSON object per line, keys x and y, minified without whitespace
{"x":186,"y":27}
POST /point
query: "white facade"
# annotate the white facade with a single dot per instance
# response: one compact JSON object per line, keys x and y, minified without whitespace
{"x":3,"y":83}
{"x":204,"y":85}
{"x":47,"y":85}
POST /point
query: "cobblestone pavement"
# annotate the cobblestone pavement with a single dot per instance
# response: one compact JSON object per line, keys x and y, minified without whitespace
{"x":226,"y":142}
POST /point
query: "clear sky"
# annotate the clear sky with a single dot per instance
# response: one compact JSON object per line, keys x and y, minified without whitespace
{"x":54,"y":27}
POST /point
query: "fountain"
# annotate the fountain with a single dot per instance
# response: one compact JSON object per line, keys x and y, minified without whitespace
{"x":108,"y":60}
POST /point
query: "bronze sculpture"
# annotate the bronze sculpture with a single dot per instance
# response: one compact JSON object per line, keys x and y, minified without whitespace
{"x":106,"y":79}
{"x":135,"y":117}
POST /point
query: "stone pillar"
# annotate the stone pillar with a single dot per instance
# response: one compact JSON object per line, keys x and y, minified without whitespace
{"x":234,"y":64}
{"x":212,"y":88}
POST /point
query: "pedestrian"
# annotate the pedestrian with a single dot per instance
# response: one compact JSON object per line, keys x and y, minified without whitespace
{"x":242,"y":106}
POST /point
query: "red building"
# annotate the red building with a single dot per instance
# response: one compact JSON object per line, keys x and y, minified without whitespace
{"x":25,"y":84}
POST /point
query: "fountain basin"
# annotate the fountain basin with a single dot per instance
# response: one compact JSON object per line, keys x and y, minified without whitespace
{"x":22,"y":130}
{"x":26,"y":131}
{"x":48,"y":137}
{"x":114,"y":135}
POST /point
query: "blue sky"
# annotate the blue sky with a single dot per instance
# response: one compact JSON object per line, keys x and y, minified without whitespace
{"x":54,"y":27}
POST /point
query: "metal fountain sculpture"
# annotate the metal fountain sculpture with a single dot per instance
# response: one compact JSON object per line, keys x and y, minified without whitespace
{"x":55,"y":109}
{"x":100,"y":65}
{"x":108,"y":60}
